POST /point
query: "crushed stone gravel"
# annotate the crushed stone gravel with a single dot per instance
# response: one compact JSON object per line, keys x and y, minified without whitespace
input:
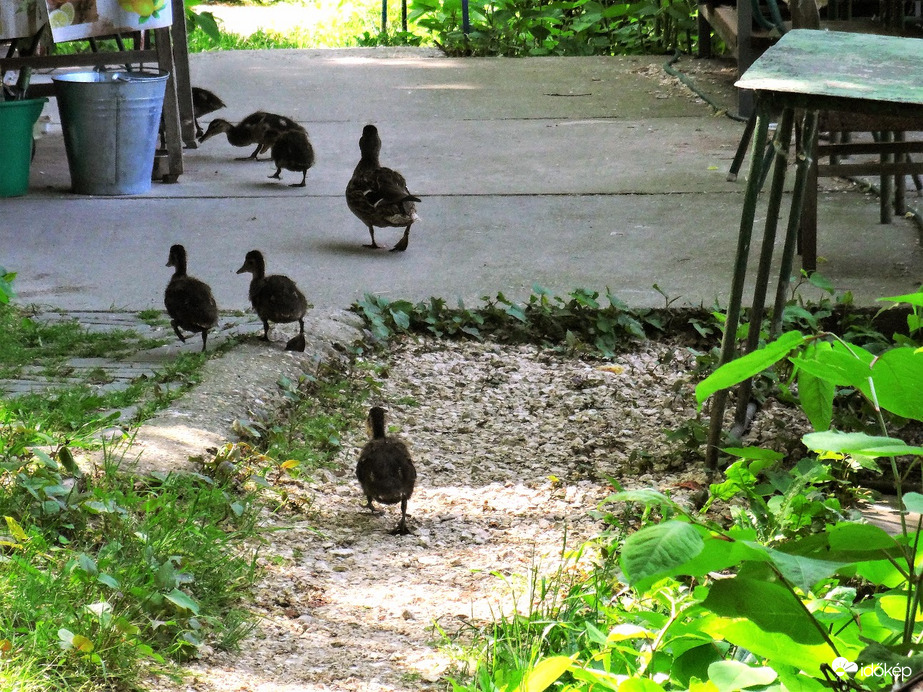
{"x":514,"y":446}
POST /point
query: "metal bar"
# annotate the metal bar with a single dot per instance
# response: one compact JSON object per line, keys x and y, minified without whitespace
{"x":869,"y":168}
{"x":84,"y":59}
{"x":466,"y":19}
{"x":781,"y":144}
{"x":808,"y":140}
{"x":895,"y":147}
{"x":384,"y":16}
{"x":887,"y":182}
{"x":900,"y":184}
{"x":729,"y":341}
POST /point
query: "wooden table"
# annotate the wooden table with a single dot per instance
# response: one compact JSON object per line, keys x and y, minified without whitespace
{"x":806,"y":71}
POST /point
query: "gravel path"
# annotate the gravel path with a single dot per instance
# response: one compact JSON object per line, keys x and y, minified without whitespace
{"x":513,"y":446}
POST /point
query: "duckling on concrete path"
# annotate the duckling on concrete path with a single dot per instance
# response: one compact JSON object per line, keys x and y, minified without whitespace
{"x":293,"y":152}
{"x":189,"y":302}
{"x":275,"y":298}
{"x":203,"y":103}
{"x":385,"y":469}
{"x":260,"y":128}
{"x":379,"y":195}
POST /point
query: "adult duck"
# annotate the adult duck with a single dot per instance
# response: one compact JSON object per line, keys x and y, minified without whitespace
{"x":378,"y":196}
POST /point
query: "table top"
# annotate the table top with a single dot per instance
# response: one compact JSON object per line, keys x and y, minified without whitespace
{"x":841,"y":65}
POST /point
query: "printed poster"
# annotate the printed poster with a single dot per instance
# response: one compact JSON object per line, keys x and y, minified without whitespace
{"x":78,"y":19}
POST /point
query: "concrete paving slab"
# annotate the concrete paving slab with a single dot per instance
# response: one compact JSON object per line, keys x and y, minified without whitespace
{"x":566,"y":172}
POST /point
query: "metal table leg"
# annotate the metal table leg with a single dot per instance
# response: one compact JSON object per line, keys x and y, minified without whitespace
{"x":729,"y":342}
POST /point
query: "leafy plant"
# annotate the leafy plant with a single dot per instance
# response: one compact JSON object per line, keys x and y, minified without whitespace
{"x":557,"y":27}
{"x":100,"y":579}
{"x":582,"y":322}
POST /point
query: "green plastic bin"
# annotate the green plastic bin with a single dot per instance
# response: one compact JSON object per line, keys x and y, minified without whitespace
{"x":17,"y":118}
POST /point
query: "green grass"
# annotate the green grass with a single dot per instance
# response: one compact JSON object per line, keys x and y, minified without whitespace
{"x":80,"y":408}
{"x":104,"y":576}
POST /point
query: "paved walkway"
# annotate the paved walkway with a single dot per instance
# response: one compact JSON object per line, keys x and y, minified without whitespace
{"x":567,"y":172}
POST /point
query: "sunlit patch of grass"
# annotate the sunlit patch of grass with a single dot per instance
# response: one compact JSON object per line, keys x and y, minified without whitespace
{"x":317,"y":24}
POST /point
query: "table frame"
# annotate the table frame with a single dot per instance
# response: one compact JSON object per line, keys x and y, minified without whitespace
{"x":774,"y":97}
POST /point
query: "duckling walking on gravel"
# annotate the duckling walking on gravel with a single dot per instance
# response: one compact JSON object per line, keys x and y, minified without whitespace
{"x":379,"y":195}
{"x":275,"y":298}
{"x":189,"y":302}
{"x":385,"y":470}
{"x":293,"y":152}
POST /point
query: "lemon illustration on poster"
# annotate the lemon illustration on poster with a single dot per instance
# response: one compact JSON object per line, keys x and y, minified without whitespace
{"x":77,"y":19}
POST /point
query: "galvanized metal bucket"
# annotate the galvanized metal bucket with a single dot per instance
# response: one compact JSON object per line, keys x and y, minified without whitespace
{"x":110,"y":122}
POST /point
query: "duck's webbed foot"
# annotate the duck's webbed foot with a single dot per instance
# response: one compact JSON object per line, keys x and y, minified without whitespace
{"x":401,"y":529}
{"x":373,"y":244}
{"x":179,"y":334}
{"x":402,"y":243}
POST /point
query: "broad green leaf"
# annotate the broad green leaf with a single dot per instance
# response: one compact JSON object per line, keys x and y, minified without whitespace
{"x":603,"y":681}
{"x":88,"y":564}
{"x":816,"y":392}
{"x":756,"y":453}
{"x":822,"y":282}
{"x":898,"y":378}
{"x":627,"y":630}
{"x":840,"y":365}
{"x":769,"y":606}
{"x":694,"y":662}
{"x":183,"y":600}
{"x":730,"y":676}
{"x":748,"y":365}
{"x":858,"y":444}
{"x":850,"y":536}
{"x":108,"y":580}
{"x":67,"y":461}
{"x":43,"y":457}
{"x":545,"y":673}
{"x":895,"y":607}
{"x":776,"y":647}
{"x":913,"y":502}
{"x":881,"y":573}
{"x":644,"y":496}
{"x":909,"y":298}
{"x":165,"y":576}
{"x":640,"y":685}
{"x":804,"y":572}
{"x":656,"y":550}
{"x":798,"y":682}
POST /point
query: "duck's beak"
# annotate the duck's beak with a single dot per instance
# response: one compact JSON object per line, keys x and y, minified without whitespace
{"x":242,"y":269}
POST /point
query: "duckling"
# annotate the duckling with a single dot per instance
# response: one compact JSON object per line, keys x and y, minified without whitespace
{"x":275,"y":298}
{"x":379,"y":195}
{"x":293,"y":152}
{"x":203,"y":103}
{"x":189,"y":302}
{"x":385,"y":469}
{"x":259,"y":128}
